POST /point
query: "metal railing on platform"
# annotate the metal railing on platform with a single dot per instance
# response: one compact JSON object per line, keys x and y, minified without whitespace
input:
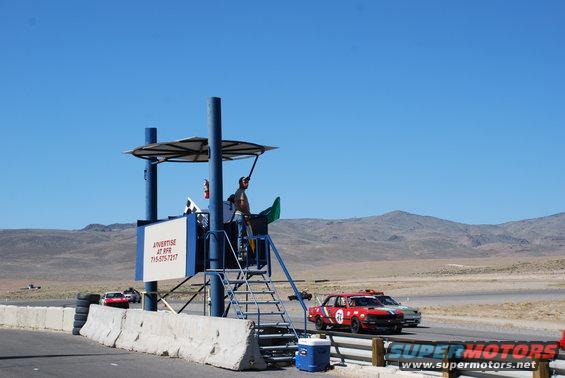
{"x":297,"y":293}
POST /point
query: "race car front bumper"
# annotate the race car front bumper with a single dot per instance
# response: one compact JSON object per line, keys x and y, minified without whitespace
{"x":373,"y":322}
{"x":412,"y":320}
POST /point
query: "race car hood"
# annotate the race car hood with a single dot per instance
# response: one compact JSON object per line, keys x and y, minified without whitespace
{"x":116,"y":300}
{"x":382,"y":311}
{"x":405,"y":309}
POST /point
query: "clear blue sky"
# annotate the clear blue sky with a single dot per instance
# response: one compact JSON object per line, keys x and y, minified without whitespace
{"x":454,"y":109}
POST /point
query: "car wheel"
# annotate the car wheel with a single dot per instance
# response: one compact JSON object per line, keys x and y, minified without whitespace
{"x":320,"y":325}
{"x":355,"y":325}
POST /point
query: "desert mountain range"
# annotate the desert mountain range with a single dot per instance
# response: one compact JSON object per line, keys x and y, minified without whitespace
{"x":108,"y":251}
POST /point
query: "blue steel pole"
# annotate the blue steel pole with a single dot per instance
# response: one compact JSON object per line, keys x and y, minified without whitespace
{"x":215,"y":206}
{"x":150,"y":302}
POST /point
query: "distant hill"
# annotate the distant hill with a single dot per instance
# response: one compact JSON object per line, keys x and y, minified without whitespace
{"x":100,"y":251}
{"x":401,"y":235}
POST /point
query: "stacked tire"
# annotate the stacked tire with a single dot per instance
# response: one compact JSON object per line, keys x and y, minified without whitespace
{"x":84,"y":300}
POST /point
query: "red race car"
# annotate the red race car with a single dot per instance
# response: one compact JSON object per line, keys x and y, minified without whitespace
{"x":115,"y":299}
{"x":356,"y":311}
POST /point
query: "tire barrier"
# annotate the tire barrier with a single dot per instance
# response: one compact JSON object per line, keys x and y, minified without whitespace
{"x":222,"y":342}
{"x":84,"y":300}
{"x":38,"y":318}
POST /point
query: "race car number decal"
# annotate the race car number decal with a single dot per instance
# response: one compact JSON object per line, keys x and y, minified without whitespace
{"x":339,"y":316}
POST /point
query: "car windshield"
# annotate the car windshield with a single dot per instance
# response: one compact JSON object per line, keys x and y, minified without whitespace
{"x":386,"y":300}
{"x":363,"y":302}
{"x":114,"y":295}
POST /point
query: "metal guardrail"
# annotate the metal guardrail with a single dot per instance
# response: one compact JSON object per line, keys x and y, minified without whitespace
{"x":370,"y":349}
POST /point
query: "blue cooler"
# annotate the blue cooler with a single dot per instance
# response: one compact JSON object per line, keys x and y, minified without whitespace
{"x":313,"y":354}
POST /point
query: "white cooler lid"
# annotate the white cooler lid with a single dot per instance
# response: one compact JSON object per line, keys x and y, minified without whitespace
{"x":314,"y":342}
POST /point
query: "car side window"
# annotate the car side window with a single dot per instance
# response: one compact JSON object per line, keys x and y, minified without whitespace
{"x":340,"y":302}
{"x":329,"y":302}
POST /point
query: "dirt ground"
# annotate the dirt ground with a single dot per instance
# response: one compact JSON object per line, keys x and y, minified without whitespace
{"x":531,"y":314}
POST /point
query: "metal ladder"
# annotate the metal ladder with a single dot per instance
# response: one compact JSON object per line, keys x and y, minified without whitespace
{"x":253,"y":296}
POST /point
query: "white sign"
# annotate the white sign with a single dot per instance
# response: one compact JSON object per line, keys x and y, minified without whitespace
{"x":339,"y":316}
{"x":164,"y":250}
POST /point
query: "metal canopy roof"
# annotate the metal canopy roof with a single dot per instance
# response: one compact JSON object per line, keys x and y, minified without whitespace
{"x":195,"y":150}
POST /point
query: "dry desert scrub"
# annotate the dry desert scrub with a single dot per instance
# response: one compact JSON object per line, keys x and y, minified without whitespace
{"x":552,"y":311}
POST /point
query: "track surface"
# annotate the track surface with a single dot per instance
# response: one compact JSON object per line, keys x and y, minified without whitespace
{"x":53,"y":354}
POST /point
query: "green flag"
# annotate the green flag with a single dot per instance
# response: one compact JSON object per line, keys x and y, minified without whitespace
{"x":274,"y":212}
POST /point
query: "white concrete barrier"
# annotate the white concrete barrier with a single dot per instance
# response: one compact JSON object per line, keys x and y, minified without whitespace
{"x":68,"y":318}
{"x":22,"y":315}
{"x":35,"y":318}
{"x":11,"y":316}
{"x":48,"y":318}
{"x":222,"y":342}
{"x":54,"y":318}
{"x":104,"y":324}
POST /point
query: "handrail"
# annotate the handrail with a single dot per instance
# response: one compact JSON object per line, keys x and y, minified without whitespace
{"x":226,"y":238}
{"x":288,"y":276}
{"x":285,"y":311}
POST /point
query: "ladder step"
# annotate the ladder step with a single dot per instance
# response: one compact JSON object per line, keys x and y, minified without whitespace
{"x":259,"y":302}
{"x":263,"y":313}
{"x":278,"y":347}
{"x":228,"y":282}
{"x":255,"y":292}
{"x":250,"y":271}
{"x":278,"y":358}
{"x":277,"y":336}
{"x":273,"y":324}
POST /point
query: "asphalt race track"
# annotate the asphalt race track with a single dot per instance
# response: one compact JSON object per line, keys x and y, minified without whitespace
{"x":54,"y":354}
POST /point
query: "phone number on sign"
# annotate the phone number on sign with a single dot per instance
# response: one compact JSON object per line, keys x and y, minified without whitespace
{"x":163,"y":258}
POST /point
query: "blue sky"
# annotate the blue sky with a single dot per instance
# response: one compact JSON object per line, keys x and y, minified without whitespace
{"x":447,"y":108}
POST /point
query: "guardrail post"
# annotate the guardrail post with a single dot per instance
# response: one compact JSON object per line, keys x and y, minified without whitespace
{"x":542,"y":369}
{"x":447,"y":372}
{"x":379,"y":351}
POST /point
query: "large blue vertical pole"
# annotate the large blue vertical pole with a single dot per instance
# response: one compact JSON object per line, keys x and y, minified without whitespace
{"x":215,"y":206}
{"x":150,"y":301}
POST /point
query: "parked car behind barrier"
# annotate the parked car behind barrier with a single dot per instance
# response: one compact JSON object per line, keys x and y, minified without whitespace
{"x":412,"y":316}
{"x":133,"y":295}
{"x":115,"y":299}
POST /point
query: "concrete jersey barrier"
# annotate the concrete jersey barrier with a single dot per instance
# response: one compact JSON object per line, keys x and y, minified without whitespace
{"x":40,"y":318}
{"x":222,"y":342}
{"x":104,"y":324}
